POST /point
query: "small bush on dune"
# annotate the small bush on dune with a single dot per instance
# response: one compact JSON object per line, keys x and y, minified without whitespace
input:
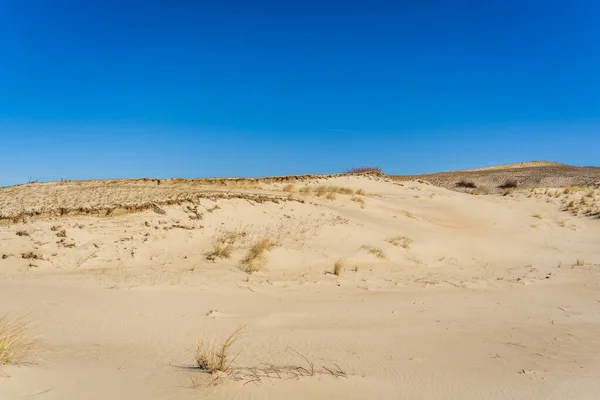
{"x":219,"y":250}
{"x":508,"y":184}
{"x":466,"y":184}
{"x":364,"y":170}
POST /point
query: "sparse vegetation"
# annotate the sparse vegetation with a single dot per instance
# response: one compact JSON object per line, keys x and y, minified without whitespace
{"x":377,"y":252}
{"x":508,"y":184}
{"x":364,"y":170}
{"x":31,"y":255}
{"x":16,"y":344}
{"x":256,"y":259}
{"x":22,"y":233}
{"x":402,"y":241}
{"x":580,"y":262}
{"x":538,"y":216}
{"x":359,"y":200}
{"x":330,"y":196}
{"x":360,"y":192}
{"x":337,"y":267}
{"x":466,"y":184}
{"x":289,"y":188}
{"x":212,"y":357}
{"x":219,"y":250}
{"x":326,"y":189}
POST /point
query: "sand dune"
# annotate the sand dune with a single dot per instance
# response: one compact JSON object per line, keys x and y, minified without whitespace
{"x":440,"y":294}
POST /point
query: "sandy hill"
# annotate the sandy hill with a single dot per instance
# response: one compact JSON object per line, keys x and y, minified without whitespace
{"x":524,"y":174}
{"x":348,"y":286}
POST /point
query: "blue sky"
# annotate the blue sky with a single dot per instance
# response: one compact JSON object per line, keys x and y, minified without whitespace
{"x":101,"y":89}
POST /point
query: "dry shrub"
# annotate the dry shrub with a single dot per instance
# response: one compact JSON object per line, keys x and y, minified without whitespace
{"x":403,"y":241}
{"x":364,"y":170}
{"x":466,"y":184}
{"x":256,"y":258}
{"x":31,"y":255}
{"x":508,"y":184}
{"x":16,"y":344}
{"x":212,"y":357}
{"x":22,"y":233}
{"x":337,"y":267}
{"x":377,"y":252}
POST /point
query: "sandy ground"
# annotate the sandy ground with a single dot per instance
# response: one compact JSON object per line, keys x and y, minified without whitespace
{"x":442,"y":295}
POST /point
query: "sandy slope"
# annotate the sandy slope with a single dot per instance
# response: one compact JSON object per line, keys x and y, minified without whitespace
{"x":486,"y":302}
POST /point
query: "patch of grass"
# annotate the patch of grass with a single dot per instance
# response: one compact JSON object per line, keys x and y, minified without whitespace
{"x":359,"y":200}
{"x":306,"y":190}
{"x":538,"y":216}
{"x":337,"y":267}
{"x":360,"y":192}
{"x":325,"y":189}
{"x":22,"y":233}
{"x":330,"y":196}
{"x":216,"y":207}
{"x":377,"y":252}
{"x":402,"y":241}
{"x":466,"y":184}
{"x":212,"y":357}
{"x":16,"y":343}
{"x":219,"y":250}
{"x":509,"y":184}
{"x":580,"y":262}
{"x":289,"y":188}
{"x":256,"y":258}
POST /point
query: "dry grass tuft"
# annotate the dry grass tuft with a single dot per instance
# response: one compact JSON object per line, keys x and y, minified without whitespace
{"x":330,"y":196}
{"x":31,"y":255}
{"x":538,"y":216}
{"x":212,"y":358}
{"x":219,"y":250}
{"x":361,"y":192}
{"x":328,"y":189}
{"x":289,"y":188}
{"x":337,"y":267}
{"x":402,"y":241}
{"x":359,"y":200}
{"x":22,"y":233}
{"x":256,"y":258}
{"x":16,"y":344}
{"x":580,"y":262}
{"x":377,"y":252}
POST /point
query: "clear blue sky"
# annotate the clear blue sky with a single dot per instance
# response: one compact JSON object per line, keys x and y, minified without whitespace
{"x":100,"y":89}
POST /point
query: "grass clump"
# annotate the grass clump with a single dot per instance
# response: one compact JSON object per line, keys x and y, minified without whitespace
{"x":22,"y":233}
{"x":360,"y":192}
{"x":219,"y":250}
{"x":580,"y":262}
{"x":402,"y":241}
{"x":538,"y":216}
{"x":337,"y":267}
{"x":330,"y":196}
{"x":212,"y":357}
{"x":359,"y":200}
{"x":289,"y":188}
{"x":256,"y":258}
{"x":377,"y":252}
{"x":16,"y":344}
{"x":466,"y":184}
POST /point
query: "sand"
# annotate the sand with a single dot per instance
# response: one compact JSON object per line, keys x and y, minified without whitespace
{"x":491,"y":297}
